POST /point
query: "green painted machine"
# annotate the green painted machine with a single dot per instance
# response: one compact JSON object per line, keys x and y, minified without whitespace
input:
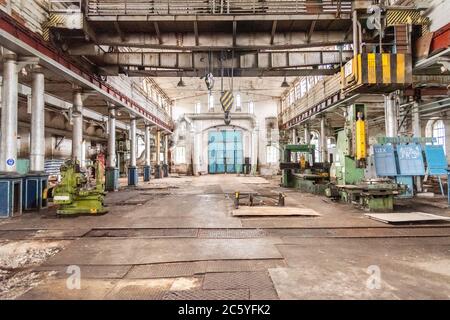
{"x":347,"y":174}
{"x":300,"y":171}
{"x":81,"y":191}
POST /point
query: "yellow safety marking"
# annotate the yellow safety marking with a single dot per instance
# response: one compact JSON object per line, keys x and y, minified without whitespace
{"x":400,"y":68}
{"x":227,"y":100}
{"x":371,"y":68}
{"x":359,"y":80}
{"x":386,"y":61}
{"x":360,"y":140}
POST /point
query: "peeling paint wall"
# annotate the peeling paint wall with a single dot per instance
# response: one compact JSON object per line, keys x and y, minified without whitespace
{"x":31,"y":13}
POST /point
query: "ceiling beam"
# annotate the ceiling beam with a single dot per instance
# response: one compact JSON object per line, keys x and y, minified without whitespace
{"x":158,"y":32}
{"x":234,"y":33}
{"x":215,"y":17}
{"x":261,"y":72}
{"x":197,"y":43}
{"x":274,"y":30}
{"x":235,"y":39}
{"x":311,"y":31}
{"x":193,"y":60}
{"x":119,"y":30}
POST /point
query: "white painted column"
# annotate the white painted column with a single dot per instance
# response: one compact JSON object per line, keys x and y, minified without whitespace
{"x":166,"y":149}
{"x":254,"y":156}
{"x":37,"y":143}
{"x":147,"y":145}
{"x":390,"y":110}
{"x":133,"y":142}
{"x":307,"y":134}
{"x":112,"y":138}
{"x":158,"y":147}
{"x":323,"y":140}
{"x":294,"y":135}
{"x":8,"y":144}
{"x":355,"y":33}
{"x":417,"y":132}
{"x":197,"y":152}
{"x":77,"y":129}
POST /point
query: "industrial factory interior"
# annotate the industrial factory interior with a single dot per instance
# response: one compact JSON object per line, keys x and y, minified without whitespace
{"x":225,"y":150}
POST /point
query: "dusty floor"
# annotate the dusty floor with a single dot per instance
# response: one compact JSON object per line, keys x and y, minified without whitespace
{"x":176,"y":238}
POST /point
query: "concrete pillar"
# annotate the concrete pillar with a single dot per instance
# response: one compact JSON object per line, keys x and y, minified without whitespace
{"x":158,"y":155}
{"x":323,"y":140}
{"x":77,"y":128}
{"x":132,"y":169}
{"x":355,"y":33}
{"x":37,"y":144}
{"x":8,"y":144}
{"x":254,"y":156}
{"x":133,"y":144}
{"x":166,"y":156}
{"x":147,"y":165}
{"x":417,"y":132}
{"x":112,"y":172}
{"x":390,"y":110}
{"x":197,"y":152}
{"x":147,"y":145}
{"x":158,"y":147}
{"x":166,"y":149}
{"x":36,"y":180}
{"x":111,"y":163}
{"x":307,"y":134}
{"x":10,"y":181}
{"x":294,"y":136}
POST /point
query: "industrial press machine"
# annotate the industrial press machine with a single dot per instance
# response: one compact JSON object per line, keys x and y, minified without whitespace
{"x":300,"y":171}
{"x":347,"y":173}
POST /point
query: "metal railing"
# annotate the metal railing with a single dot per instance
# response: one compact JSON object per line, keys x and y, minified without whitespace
{"x":65,"y":6}
{"x":320,"y":92}
{"x":218,"y":7}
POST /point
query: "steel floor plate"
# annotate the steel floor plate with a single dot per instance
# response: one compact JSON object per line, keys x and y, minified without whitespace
{"x":238,"y":294}
{"x":140,"y":290}
{"x":167,"y":270}
{"x":144,"y":233}
{"x":243,"y":265}
{"x":259,"y":280}
{"x":231,"y":233}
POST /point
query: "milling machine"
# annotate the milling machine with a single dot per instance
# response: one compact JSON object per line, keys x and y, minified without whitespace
{"x":81,"y":190}
{"x":347,"y":173}
{"x":300,"y":171}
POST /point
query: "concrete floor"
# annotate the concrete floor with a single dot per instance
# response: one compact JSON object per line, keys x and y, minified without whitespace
{"x":175,"y":238}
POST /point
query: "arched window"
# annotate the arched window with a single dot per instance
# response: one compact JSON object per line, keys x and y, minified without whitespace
{"x":251,"y":107}
{"x":438,"y":132}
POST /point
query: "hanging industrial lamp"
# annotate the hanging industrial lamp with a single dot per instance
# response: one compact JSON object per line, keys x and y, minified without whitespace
{"x":285,"y":84}
{"x":181,"y":83}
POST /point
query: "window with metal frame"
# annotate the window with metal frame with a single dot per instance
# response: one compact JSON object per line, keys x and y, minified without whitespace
{"x":438,"y":132}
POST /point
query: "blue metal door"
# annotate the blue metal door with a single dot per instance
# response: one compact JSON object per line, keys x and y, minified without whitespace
{"x":225,"y":152}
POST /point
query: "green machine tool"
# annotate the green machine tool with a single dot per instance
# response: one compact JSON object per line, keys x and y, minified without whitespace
{"x":300,"y":171}
{"x":81,"y":191}
{"x":347,"y":174}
